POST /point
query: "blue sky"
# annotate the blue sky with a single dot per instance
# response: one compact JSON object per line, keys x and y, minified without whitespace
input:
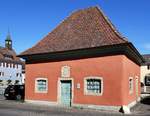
{"x":30,"y":20}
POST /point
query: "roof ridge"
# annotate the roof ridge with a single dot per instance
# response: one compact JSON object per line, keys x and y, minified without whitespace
{"x":111,"y":25}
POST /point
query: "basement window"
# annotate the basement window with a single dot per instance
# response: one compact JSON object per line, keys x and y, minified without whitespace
{"x":41,"y":85}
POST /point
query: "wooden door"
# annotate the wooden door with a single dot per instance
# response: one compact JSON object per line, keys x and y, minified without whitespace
{"x":66,"y":93}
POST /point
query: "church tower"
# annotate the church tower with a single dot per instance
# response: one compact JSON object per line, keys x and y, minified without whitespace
{"x":8,"y":41}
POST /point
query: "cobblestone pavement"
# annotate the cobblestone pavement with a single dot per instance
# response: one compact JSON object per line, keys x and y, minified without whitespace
{"x":14,"y":108}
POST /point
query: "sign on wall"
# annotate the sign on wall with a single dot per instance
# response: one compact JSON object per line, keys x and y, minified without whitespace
{"x":65,"y":71}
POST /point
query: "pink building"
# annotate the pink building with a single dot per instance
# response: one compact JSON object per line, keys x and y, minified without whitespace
{"x":84,"y":62}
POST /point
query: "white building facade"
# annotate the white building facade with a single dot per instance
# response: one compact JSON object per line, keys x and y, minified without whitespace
{"x":11,"y":71}
{"x":145,"y":74}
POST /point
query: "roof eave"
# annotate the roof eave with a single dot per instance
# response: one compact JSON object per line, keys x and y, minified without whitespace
{"x":138,"y":55}
{"x":125,"y":48}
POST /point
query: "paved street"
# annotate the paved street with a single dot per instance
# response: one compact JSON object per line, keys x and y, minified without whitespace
{"x":13,"y":108}
{"x":142,"y":108}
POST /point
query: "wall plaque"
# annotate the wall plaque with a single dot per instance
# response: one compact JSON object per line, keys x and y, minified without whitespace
{"x":65,"y":71}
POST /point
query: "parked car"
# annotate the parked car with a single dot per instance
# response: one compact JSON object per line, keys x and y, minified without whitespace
{"x":15,"y":92}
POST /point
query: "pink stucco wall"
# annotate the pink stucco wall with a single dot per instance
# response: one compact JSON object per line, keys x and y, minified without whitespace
{"x":115,"y":71}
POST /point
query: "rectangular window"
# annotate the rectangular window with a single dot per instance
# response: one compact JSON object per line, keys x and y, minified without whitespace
{"x":6,"y":64}
{"x":147,"y":80}
{"x":17,"y":74}
{"x":41,"y":85}
{"x":131,"y":85}
{"x":93,"y":86}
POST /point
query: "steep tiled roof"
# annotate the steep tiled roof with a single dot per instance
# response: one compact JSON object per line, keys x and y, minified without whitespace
{"x":8,"y":55}
{"x":86,"y":28}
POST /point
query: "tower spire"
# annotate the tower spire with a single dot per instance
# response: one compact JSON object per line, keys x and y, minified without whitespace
{"x":8,"y":35}
{"x":8,"y":41}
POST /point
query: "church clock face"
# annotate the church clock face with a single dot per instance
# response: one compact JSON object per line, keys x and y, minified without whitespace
{"x":9,"y":42}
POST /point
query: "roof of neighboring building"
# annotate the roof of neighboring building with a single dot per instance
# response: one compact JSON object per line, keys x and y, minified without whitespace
{"x":8,"y":55}
{"x":86,"y":28}
{"x":147,"y":58}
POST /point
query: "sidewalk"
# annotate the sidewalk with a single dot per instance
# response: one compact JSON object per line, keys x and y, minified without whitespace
{"x":2,"y":97}
{"x":141,"y":109}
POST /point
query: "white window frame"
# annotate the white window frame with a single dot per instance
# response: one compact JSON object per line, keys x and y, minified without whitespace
{"x":132,"y":85}
{"x":36,"y":88}
{"x":85,"y":86}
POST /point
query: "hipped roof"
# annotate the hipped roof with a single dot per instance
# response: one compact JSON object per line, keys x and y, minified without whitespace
{"x":86,"y":28}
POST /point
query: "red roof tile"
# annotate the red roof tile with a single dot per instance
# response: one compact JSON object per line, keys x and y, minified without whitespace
{"x":5,"y":52}
{"x":86,"y":28}
{"x":9,"y":56}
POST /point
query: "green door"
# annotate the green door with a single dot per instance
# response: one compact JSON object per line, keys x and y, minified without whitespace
{"x":66,"y":93}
